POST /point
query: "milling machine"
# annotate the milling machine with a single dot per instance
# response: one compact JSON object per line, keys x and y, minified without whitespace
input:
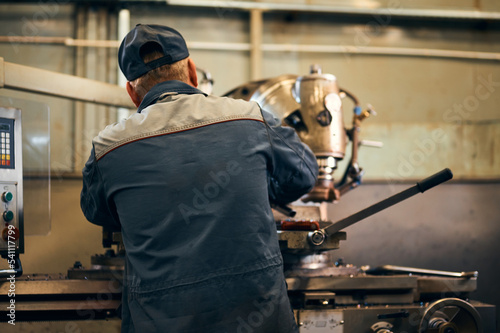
{"x":327,"y":295}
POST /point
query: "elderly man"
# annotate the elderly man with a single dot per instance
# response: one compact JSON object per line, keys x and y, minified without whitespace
{"x":188,"y":180}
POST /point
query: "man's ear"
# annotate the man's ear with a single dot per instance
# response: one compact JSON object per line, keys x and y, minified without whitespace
{"x":193,"y":76}
{"x":133,"y":95}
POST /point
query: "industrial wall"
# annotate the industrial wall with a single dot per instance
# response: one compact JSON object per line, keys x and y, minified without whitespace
{"x":432,"y":75}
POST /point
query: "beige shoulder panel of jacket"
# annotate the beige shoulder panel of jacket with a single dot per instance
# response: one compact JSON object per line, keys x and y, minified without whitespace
{"x":171,"y":114}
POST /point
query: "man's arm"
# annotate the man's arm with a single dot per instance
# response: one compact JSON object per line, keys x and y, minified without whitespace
{"x":93,"y":199}
{"x":294,"y":169}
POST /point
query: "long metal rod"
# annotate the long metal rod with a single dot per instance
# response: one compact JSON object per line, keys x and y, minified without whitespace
{"x":16,"y":269}
{"x":31,"y":79}
{"x":59,"y":40}
{"x":379,"y":206}
{"x":420,"y":187}
{"x":376,"y":12}
{"x":391,"y":269}
{"x":394,"y":11}
{"x":375,"y":50}
{"x":333,"y":49}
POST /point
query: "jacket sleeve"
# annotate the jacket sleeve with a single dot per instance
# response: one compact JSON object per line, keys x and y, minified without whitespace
{"x":293,"y":170}
{"x":93,"y":199}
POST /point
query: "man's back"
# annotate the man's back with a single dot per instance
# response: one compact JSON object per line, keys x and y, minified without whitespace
{"x":188,"y":180}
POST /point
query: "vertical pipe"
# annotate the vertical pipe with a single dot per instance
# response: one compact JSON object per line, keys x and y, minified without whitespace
{"x":123,"y":29}
{"x":78,"y":123}
{"x":91,"y":115}
{"x":102,"y":119}
{"x":111,"y":60}
{"x":256,"y":28}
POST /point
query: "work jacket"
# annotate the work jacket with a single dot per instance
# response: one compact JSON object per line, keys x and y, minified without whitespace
{"x":188,"y":181}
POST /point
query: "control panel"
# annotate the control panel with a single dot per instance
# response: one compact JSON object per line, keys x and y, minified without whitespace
{"x":11,"y":183}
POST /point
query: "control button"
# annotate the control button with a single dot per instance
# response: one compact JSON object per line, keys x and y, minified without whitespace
{"x":13,"y":233}
{"x":7,"y":196}
{"x":8,"y":216}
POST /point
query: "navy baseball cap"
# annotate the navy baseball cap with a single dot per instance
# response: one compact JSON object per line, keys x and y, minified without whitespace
{"x":130,"y":52}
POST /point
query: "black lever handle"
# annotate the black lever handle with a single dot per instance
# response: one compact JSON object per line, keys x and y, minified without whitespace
{"x":434,"y":180}
{"x":421,"y":186}
{"x":283,"y":209}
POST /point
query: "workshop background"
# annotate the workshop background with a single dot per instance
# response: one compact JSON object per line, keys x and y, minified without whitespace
{"x":429,"y":68}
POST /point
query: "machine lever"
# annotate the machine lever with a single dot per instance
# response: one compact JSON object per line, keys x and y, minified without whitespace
{"x":391,"y":269}
{"x":420,"y":187}
{"x":283,"y":209}
{"x":435,"y":180}
{"x":16,"y":270}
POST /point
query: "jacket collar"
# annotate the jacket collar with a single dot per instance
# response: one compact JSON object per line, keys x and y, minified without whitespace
{"x":172,"y":86}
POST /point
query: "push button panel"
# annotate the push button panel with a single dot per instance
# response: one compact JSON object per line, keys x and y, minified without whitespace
{"x":9,"y":215}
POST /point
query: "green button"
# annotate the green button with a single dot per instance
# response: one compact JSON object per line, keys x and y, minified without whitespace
{"x":8,"y":216}
{"x":7,"y":196}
